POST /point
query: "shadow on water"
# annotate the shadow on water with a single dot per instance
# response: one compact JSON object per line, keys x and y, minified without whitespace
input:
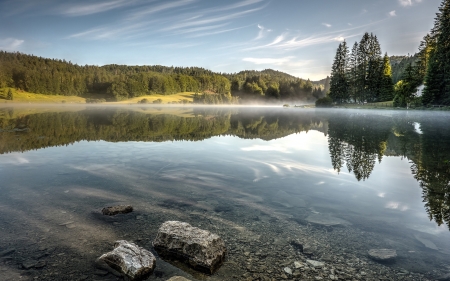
{"x":240,"y":182}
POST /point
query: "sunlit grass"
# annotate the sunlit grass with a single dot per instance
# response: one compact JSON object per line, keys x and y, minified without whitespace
{"x":382,"y":104}
{"x":26,"y":97}
{"x":165,"y":98}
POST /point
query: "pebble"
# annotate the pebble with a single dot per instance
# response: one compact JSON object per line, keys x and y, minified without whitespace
{"x":298,"y":264}
{"x":288,"y":270}
{"x":314,"y":263}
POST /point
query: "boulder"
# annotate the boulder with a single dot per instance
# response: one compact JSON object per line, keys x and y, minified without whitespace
{"x":383,"y":255}
{"x":114,"y":210}
{"x":196,"y":247}
{"x":130,"y":260}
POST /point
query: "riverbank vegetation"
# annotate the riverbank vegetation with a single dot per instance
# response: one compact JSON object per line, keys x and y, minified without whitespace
{"x":362,"y":75}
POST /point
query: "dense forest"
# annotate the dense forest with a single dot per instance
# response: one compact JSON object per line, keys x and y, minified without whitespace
{"x":363,"y":75}
{"x":120,"y":82}
{"x":355,"y":141}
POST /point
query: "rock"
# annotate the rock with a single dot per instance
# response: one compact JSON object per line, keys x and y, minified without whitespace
{"x":198,"y":248}
{"x":383,"y":255}
{"x":28,"y":264}
{"x":298,"y":264}
{"x":178,"y":278}
{"x":326,"y":220}
{"x":134,"y":262}
{"x":114,"y":210}
{"x":445,"y":277}
{"x":288,"y":270}
{"x":7,"y":252}
{"x":427,"y":243}
{"x":316,"y":264}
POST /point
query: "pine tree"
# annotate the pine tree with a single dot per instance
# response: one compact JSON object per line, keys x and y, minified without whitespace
{"x":437,"y":79}
{"x":338,"y":82}
{"x":363,"y":63}
{"x":374,"y":71}
{"x":353,"y":72}
{"x":387,"y":87}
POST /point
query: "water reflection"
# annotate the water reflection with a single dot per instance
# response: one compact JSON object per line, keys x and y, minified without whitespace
{"x":254,"y":168}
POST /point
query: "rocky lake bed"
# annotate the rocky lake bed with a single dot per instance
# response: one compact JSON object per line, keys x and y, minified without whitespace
{"x":260,"y":246}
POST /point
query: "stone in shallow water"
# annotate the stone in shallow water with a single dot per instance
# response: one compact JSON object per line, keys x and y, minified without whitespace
{"x":288,"y":270}
{"x":134,"y":262}
{"x":427,"y":243}
{"x":314,"y":263}
{"x":178,"y":278}
{"x":326,"y":220}
{"x":383,"y":255}
{"x":114,"y":210}
{"x":198,"y":248}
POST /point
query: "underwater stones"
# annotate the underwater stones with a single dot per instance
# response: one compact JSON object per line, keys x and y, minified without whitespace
{"x":132,"y":261}
{"x":382,"y":255}
{"x":196,"y":247}
{"x":7,"y":252}
{"x":326,"y":220}
{"x":114,"y":210}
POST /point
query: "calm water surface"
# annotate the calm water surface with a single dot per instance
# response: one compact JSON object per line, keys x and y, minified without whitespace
{"x":264,"y":179}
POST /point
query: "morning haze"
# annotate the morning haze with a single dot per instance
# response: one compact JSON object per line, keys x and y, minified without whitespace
{"x":211,"y":140}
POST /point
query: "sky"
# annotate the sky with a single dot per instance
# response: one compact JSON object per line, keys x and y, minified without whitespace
{"x":299,"y":37}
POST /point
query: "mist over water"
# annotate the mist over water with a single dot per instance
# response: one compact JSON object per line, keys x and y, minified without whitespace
{"x":382,"y":177}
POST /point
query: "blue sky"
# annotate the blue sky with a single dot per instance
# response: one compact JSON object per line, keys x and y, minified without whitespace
{"x":299,"y":37}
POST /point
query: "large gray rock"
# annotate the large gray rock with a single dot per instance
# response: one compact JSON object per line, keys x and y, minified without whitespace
{"x":130,"y":260}
{"x":178,"y":278}
{"x":383,"y":255}
{"x":198,"y":248}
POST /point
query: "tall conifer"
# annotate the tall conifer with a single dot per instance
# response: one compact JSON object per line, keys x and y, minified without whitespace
{"x":338,"y":82}
{"x":387,"y":87}
{"x":437,"y":79}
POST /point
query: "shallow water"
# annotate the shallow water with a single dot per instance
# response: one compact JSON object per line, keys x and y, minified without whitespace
{"x":342,"y":182}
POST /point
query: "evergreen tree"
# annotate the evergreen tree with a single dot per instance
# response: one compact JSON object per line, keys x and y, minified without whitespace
{"x":374,"y":71}
{"x":387,"y":87}
{"x":353,"y":72}
{"x":338,"y":81}
{"x":406,"y":88}
{"x":437,"y":79}
{"x":363,"y":64}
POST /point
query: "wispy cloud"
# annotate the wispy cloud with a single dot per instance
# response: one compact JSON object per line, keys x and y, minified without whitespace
{"x":277,"y":61}
{"x":89,"y":9}
{"x":10,"y":44}
{"x":406,"y":3}
{"x":159,"y":8}
{"x":261,"y":32}
{"x":392,"y":13}
{"x":326,"y":24}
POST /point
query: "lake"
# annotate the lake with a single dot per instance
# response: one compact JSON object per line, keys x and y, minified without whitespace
{"x":280,"y":185}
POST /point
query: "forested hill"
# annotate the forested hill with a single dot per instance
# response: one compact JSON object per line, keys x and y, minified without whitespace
{"x":399,"y":64}
{"x":120,"y":82}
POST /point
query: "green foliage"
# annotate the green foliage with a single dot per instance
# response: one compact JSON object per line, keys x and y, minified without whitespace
{"x":10,"y":95}
{"x":387,"y":87}
{"x":437,"y":78}
{"x":324,"y":102}
{"x":157,"y":101}
{"x":143,"y":101}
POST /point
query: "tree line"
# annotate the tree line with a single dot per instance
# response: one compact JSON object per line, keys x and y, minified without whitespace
{"x":362,"y":75}
{"x":119,"y":82}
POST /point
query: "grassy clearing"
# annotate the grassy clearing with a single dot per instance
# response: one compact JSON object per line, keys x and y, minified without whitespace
{"x":165,"y":98}
{"x":383,"y":104}
{"x":25,"y":97}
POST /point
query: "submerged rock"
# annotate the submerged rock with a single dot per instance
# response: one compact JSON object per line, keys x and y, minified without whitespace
{"x":314,"y":263}
{"x":326,"y":220}
{"x":178,"y":278}
{"x":114,"y":210}
{"x":383,"y":255}
{"x":427,"y":243}
{"x":198,"y":248}
{"x":134,"y":262}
